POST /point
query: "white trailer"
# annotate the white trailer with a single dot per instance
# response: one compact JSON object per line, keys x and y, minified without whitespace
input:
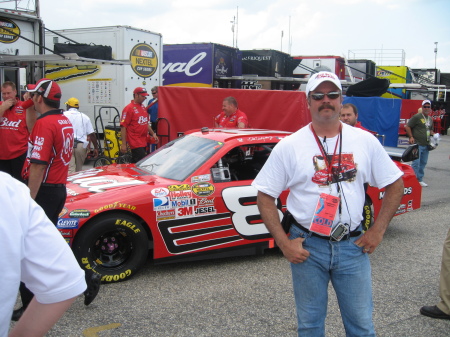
{"x":104,"y":88}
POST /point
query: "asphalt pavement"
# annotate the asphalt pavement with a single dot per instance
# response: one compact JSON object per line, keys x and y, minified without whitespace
{"x":252,"y":296}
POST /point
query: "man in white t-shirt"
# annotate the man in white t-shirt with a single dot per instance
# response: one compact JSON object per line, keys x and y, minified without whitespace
{"x":35,"y":253}
{"x":83,"y":132}
{"x":325,"y":165}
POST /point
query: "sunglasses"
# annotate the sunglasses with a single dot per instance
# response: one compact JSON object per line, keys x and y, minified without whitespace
{"x":154,"y":93}
{"x":426,"y":107}
{"x":330,"y":95}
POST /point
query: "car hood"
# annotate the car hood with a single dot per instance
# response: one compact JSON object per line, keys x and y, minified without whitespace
{"x":108,"y":179}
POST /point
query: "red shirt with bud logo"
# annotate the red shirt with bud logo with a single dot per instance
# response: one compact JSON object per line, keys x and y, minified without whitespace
{"x":51,"y":144}
{"x":14,"y":131}
{"x":135,"y":120}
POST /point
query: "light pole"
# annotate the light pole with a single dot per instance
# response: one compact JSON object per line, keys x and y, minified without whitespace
{"x":435,"y":54}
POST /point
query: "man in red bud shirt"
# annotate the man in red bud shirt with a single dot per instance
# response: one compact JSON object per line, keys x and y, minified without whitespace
{"x":16,"y":121}
{"x":135,"y":126}
{"x":231,"y":117}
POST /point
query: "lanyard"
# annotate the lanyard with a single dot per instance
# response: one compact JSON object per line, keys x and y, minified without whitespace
{"x":329,"y":162}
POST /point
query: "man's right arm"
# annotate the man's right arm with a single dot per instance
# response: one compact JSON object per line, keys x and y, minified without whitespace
{"x":409,"y":133}
{"x":123,"y":133}
{"x":292,"y":249}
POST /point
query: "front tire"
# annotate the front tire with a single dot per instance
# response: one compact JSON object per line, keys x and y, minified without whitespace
{"x":114,"y":245}
{"x":102,"y":161}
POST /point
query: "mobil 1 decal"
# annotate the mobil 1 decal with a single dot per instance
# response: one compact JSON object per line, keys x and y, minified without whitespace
{"x":144,"y":60}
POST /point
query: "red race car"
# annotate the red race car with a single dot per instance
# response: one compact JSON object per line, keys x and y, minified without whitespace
{"x":191,"y":199}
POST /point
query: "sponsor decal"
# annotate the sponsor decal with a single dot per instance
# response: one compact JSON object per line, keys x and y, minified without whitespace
{"x":183,"y":203}
{"x":201,"y":178}
{"x":144,"y":60}
{"x":67,"y":223}
{"x":80,"y":213}
{"x":159,"y":192}
{"x":115,"y":205}
{"x":184,"y":212}
{"x":66,"y":232}
{"x":176,"y":195}
{"x":165,"y":214}
{"x":9,"y":30}
{"x":63,"y":212}
{"x":408,"y":190}
{"x":181,"y":187}
{"x":205,"y":201}
{"x":203,"y":189}
{"x":205,"y":210}
{"x":162,"y":203}
{"x":116,"y":277}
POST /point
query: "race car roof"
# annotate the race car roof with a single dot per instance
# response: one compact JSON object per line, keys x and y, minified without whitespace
{"x":224,"y":135}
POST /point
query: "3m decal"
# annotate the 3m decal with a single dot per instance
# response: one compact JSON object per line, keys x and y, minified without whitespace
{"x":241,"y":201}
{"x":184,"y":211}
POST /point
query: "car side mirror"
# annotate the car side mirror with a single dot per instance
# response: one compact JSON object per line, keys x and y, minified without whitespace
{"x":411,"y":153}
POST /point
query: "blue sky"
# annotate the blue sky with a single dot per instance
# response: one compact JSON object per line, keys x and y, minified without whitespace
{"x":320,"y":27}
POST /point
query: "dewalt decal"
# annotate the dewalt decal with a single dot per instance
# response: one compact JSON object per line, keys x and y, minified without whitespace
{"x":9,"y":31}
{"x":144,"y":60}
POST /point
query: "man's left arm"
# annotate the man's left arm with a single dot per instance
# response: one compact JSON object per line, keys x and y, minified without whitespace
{"x":393,"y":194}
{"x":35,"y":178}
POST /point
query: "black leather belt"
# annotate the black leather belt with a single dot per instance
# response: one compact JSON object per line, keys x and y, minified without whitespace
{"x":349,"y":235}
{"x":53,"y":185}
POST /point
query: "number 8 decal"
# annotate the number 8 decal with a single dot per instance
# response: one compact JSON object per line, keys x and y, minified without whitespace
{"x":241,"y":201}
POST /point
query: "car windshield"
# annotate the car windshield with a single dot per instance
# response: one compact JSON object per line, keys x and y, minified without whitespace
{"x":180,"y":158}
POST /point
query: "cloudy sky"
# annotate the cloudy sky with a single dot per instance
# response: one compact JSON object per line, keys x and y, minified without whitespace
{"x":317,"y":27}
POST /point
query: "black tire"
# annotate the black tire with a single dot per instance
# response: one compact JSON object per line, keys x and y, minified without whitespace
{"x":102,"y":161}
{"x":114,"y":245}
{"x":124,"y":159}
{"x":367,"y":221}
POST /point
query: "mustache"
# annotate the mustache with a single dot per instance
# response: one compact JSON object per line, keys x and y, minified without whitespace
{"x":326,"y":106}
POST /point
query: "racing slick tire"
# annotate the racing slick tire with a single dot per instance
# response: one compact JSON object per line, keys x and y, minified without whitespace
{"x":102,"y":161}
{"x":114,"y":245}
{"x":124,"y":159}
{"x":367,"y":220}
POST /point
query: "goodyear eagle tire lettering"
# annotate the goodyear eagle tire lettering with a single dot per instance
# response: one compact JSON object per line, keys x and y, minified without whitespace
{"x":367,"y":221}
{"x":114,"y":245}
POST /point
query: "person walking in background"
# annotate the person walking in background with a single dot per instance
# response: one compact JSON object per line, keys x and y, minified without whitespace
{"x":419,"y":130}
{"x":231,"y":117}
{"x":134,"y":126}
{"x":325,"y":241}
{"x":442,"y":309}
{"x":16,"y":122}
{"x":83,"y":132}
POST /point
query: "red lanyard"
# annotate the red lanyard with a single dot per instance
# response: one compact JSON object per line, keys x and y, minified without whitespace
{"x":329,"y":163}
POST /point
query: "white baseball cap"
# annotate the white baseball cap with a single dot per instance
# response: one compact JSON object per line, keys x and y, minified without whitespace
{"x":425,"y":102}
{"x":320,"y":77}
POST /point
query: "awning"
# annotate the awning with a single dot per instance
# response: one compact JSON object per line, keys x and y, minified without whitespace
{"x":62,"y":59}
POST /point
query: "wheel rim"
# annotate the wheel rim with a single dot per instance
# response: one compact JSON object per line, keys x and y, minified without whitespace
{"x":112,"y":249}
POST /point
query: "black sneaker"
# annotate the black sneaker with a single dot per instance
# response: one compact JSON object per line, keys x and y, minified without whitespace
{"x":93,"y":286}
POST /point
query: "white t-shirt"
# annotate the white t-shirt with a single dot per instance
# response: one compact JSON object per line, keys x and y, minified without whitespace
{"x":296,"y":163}
{"x":33,"y":251}
{"x":82,"y":126}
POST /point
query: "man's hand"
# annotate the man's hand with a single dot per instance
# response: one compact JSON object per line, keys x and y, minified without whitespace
{"x":123,"y":148}
{"x":293,"y":251}
{"x":9,"y":103}
{"x":370,"y":240}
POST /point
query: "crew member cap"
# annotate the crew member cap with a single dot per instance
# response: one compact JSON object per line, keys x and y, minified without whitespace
{"x":47,"y":88}
{"x":141,"y":91}
{"x":425,"y":102}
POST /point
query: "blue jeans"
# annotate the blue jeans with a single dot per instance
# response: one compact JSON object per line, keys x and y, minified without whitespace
{"x":419,"y":164}
{"x":348,"y":268}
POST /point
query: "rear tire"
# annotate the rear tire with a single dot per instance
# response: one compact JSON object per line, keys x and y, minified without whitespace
{"x":114,"y":245}
{"x":124,"y":159}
